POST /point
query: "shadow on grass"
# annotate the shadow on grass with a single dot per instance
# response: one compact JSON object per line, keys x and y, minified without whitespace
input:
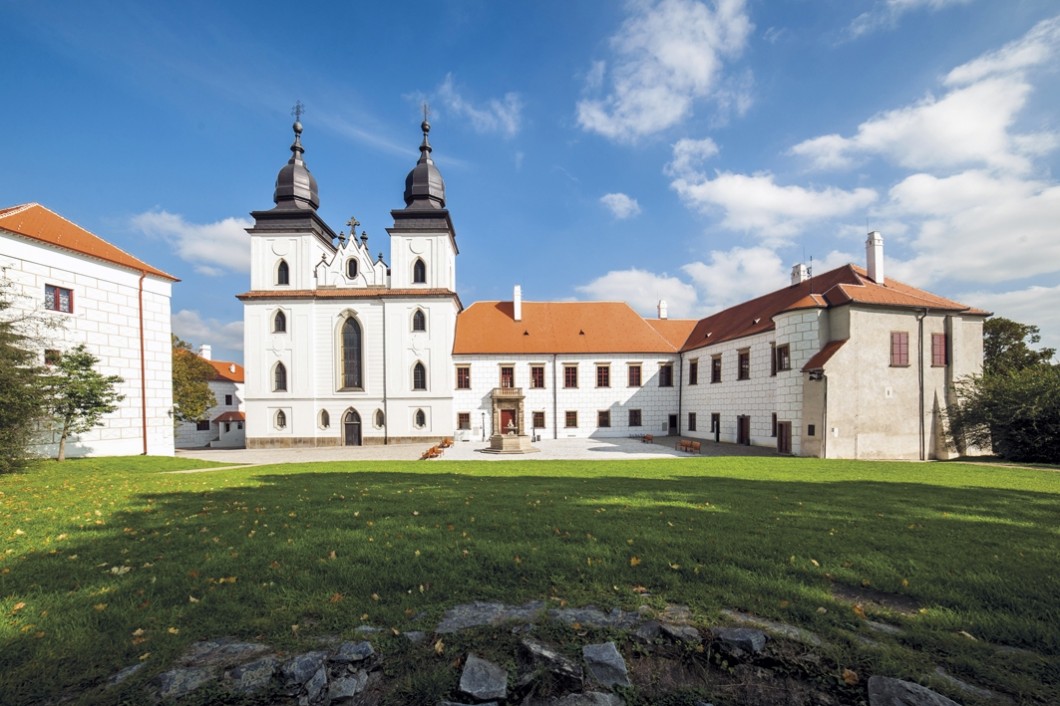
{"x":312,"y":553}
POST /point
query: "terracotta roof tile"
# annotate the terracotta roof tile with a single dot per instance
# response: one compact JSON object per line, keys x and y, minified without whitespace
{"x":562,"y":327}
{"x":225,"y":370}
{"x":231,"y":417}
{"x":818,"y":359}
{"x":33,"y":221}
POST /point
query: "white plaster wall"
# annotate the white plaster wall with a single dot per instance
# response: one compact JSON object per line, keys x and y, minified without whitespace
{"x":188,"y":437}
{"x":106,"y":319}
{"x":655,"y":402}
{"x":437,"y":253}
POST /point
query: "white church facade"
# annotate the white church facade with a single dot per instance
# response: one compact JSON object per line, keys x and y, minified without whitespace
{"x":345,"y":349}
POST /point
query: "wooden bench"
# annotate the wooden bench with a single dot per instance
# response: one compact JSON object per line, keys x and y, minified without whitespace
{"x":647,"y":439}
{"x":689,"y":445}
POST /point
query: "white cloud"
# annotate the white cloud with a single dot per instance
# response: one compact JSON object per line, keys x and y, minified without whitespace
{"x":621,"y":205}
{"x":737,"y":275}
{"x":967,"y":127}
{"x":886,"y":13}
{"x":502,"y":116}
{"x":642,"y":290}
{"x":1036,"y":48}
{"x":688,"y":157}
{"x":1034,"y":305}
{"x":212,"y":247}
{"x":220,"y":335}
{"x":668,"y":54}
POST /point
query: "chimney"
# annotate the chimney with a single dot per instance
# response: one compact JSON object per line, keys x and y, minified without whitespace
{"x":799,"y":274}
{"x":205,"y":351}
{"x":874,"y":256}
{"x":517,"y":303}
{"x":662,"y":308}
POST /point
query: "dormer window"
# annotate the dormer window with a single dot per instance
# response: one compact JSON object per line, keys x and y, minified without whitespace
{"x":283,"y":273}
{"x":419,"y":272}
{"x":351,"y":268}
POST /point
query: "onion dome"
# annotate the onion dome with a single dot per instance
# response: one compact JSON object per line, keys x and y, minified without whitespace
{"x":295,"y":186}
{"x":424,"y":187}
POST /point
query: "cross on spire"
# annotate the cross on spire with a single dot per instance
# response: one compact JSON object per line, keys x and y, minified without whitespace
{"x":353,"y":223}
{"x":298,"y":110}
{"x":426,"y":111}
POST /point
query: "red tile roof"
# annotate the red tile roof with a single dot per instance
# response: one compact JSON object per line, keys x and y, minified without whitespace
{"x":226,"y":371}
{"x":33,"y":221}
{"x":818,"y":359}
{"x":848,"y":284}
{"x":564,"y":327}
{"x":231,"y":417}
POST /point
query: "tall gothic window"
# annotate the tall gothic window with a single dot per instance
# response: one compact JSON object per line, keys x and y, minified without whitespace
{"x":279,"y":322}
{"x":279,"y":378}
{"x":419,"y":272}
{"x":283,"y":273}
{"x":351,"y":355}
{"x":419,"y":321}
{"x":419,"y":377}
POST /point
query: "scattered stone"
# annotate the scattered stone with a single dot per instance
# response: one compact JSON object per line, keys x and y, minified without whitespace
{"x":125,"y":674}
{"x":454,"y":703}
{"x":885,"y":628}
{"x":680,"y":633}
{"x":589,"y":698}
{"x":301,"y":668}
{"x":966,"y":688}
{"x":746,"y":639}
{"x":885,"y":691}
{"x":253,"y":676}
{"x":563,"y":670}
{"x":480,"y":614}
{"x":347,"y":687}
{"x":368,"y":629}
{"x":783,"y":629}
{"x":605,"y":664}
{"x":350,"y":652}
{"x":648,"y":631}
{"x":483,"y":680}
{"x":314,"y":687}
{"x":676,"y":614}
{"x":592,"y":617}
{"x":223,"y":652}
{"x":182,"y":681}
{"x":415,"y":636}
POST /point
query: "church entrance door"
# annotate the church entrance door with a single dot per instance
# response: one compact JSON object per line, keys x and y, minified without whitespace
{"x":507,"y":420}
{"x":351,"y":428}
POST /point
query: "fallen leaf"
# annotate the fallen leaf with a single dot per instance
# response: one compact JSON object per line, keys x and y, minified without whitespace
{"x":18,"y":606}
{"x":100,"y":607}
{"x":173,"y":631}
{"x":192,"y":599}
{"x":439,"y":647}
{"x":634,"y":561}
{"x":850,"y":677}
{"x":335,"y":598}
{"x":858,"y":610}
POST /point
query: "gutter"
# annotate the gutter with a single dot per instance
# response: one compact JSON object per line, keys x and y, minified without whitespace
{"x":143,"y":366}
{"x":555,"y":402}
{"x":920,"y":316}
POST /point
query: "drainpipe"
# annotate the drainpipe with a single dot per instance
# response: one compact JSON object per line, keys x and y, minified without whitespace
{"x":824,"y":418}
{"x":555,"y":402}
{"x":143,"y":366}
{"x":920,"y":316}
{"x":386,"y":411}
{"x":680,"y":387}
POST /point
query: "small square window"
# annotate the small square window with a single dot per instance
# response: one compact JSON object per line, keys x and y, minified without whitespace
{"x":463,"y":378}
{"x":463,"y":420}
{"x":603,"y":376}
{"x":228,"y":400}
{"x":202,"y":425}
{"x":603,"y":418}
{"x":634,"y":418}
{"x":571,"y":420}
{"x":539,"y":420}
{"x":634,"y":375}
{"x":570,"y":376}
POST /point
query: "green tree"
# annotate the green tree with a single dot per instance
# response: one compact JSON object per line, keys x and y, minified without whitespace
{"x":78,"y":395}
{"x":191,"y":383}
{"x":1006,"y":349}
{"x":21,"y":401}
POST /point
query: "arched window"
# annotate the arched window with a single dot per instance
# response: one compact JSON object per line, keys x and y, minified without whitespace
{"x":419,"y":272}
{"x":419,"y":377}
{"x":281,"y":419}
{"x":279,"y":378}
{"x":351,"y":267}
{"x":279,"y":322}
{"x":283,"y":273}
{"x":380,"y":419}
{"x":351,"y":355}
{"x":419,"y":321}
{"x":325,"y":419}
{"x":420,"y":419}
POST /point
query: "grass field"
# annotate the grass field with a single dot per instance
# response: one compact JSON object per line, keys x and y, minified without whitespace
{"x":111,"y":562}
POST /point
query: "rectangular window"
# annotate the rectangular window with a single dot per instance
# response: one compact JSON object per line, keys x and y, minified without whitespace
{"x":772,"y":359}
{"x":715,"y":368}
{"x":202,"y":425}
{"x":603,"y":375}
{"x":228,"y":400}
{"x":634,"y":417}
{"x":58,"y":299}
{"x":634,"y":375}
{"x":570,"y":376}
{"x":693,"y":372}
{"x":938,"y":350}
{"x":691,"y":421}
{"x":811,"y":430}
{"x":784,"y":357}
{"x":570,"y":420}
{"x":537,"y":376}
{"x":603,"y":418}
{"x":899,"y":349}
{"x":745,"y":364}
{"x":666,"y":375}
{"x":539,"y":420}
{"x":774,"y":427}
{"x":463,"y":378}
{"x":715,"y":422}
{"x":507,"y":376}
{"x":463,"y":420}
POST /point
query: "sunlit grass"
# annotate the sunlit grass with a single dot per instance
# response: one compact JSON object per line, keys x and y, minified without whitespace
{"x":109,"y":563}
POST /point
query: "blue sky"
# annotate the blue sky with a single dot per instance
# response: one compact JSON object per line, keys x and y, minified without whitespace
{"x":691,"y":151}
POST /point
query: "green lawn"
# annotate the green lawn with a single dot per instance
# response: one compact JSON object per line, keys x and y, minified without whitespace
{"x":107,"y":563}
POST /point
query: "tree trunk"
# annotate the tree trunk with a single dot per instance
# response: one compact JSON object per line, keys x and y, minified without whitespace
{"x":62,"y":447}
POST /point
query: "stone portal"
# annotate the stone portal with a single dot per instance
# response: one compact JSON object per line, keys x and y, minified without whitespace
{"x":508,"y":418}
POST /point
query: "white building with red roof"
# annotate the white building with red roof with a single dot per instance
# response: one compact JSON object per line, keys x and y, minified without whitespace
{"x":223,"y":424}
{"x":343,"y":348}
{"x":117,"y":305}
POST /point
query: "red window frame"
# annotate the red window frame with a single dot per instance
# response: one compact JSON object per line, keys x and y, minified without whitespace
{"x":899,"y":349}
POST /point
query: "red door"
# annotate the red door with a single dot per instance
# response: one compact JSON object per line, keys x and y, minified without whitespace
{"x":508,"y":421}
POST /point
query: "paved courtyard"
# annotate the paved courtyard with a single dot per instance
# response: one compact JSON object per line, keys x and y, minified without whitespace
{"x":549,"y":449}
